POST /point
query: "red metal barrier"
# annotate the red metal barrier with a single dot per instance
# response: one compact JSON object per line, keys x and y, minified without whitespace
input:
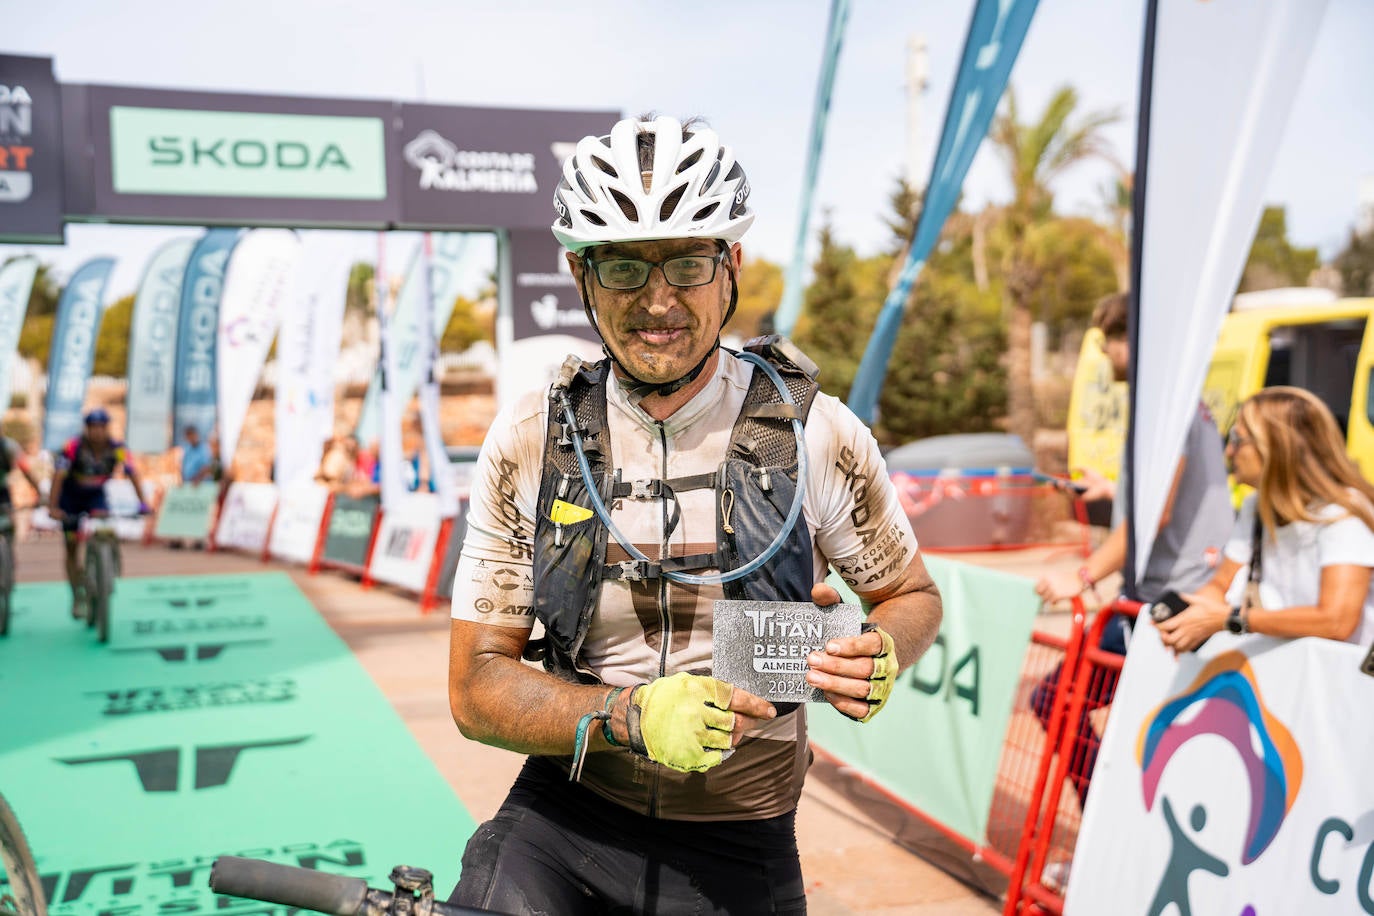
{"x":1045,"y":705}
{"x":1083,"y":701}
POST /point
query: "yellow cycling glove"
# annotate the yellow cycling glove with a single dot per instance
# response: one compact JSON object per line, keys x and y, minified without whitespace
{"x":682,"y":722}
{"x":884,"y":672}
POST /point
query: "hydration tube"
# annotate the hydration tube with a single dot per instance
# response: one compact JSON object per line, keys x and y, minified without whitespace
{"x":687,"y":578}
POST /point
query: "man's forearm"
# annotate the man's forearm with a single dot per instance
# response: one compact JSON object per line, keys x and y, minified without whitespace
{"x":506,"y":703}
{"x":912,"y":620}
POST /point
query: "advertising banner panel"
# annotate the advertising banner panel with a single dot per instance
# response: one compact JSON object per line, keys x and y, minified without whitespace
{"x":406,"y":542}
{"x":300,"y":509}
{"x":350,"y":530}
{"x":1233,"y":779}
{"x":246,"y":516}
{"x":152,"y":348}
{"x":257,"y":286}
{"x":79,"y":311}
{"x":16,"y":283}
{"x":486,"y":166}
{"x":307,"y":348}
{"x":406,"y":326}
{"x":194,"y":401}
{"x":957,"y":698}
{"x":31,"y":199}
{"x":1212,"y":125}
{"x":185,"y":511}
{"x":222,"y":158}
{"x":995,"y":34}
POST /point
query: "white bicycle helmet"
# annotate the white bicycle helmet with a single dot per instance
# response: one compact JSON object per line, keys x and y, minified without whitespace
{"x":695,"y":189}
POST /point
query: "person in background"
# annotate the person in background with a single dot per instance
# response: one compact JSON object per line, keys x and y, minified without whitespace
{"x":195,"y":457}
{"x":12,"y":458}
{"x":338,"y":466}
{"x":1301,"y":556}
{"x":1193,"y":527}
{"x":83,"y":467}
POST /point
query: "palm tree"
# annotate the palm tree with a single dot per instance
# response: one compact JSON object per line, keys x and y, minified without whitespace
{"x":1036,"y":153}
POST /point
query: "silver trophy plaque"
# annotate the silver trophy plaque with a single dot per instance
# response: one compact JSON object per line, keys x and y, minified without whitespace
{"x":761,"y":646}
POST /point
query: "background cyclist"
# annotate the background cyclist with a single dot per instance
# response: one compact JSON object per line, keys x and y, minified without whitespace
{"x":83,"y":467}
{"x":12,"y":458}
{"x":659,"y":816}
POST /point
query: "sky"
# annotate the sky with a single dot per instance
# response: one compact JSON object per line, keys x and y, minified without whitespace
{"x":749,"y":67}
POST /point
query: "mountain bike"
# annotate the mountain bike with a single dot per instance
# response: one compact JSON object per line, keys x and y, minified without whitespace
{"x":338,"y":895}
{"x":103,"y":564}
{"x":21,"y":892}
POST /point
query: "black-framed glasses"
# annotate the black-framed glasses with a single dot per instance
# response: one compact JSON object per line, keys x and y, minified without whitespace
{"x":632,"y":273}
{"x":1235,"y":439}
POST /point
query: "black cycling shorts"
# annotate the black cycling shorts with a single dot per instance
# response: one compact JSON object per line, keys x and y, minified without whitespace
{"x":74,"y":500}
{"x":556,"y":848}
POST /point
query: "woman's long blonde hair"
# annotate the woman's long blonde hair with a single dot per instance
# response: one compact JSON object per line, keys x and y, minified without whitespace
{"x":1303,"y":454}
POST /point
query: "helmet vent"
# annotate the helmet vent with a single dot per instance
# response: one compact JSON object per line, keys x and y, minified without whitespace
{"x":582,"y":183}
{"x":689,"y":162}
{"x":705,"y":211}
{"x":711,"y":177}
{"x":592,"y":218}
{"x":735,"y":172}
{"x":670,"y":203}
{"x":626,"y":205}
{"x":604,"y":166}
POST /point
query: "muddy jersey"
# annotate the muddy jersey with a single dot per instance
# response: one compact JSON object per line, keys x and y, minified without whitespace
{"x":653,"y":628}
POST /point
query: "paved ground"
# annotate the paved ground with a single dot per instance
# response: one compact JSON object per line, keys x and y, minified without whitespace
{"x":857,"y":848}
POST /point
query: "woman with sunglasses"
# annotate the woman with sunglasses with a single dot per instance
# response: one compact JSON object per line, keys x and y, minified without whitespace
{"x":1300,"y":558}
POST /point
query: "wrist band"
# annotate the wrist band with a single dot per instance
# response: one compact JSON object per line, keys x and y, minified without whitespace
{"x":632,"y":725}
{"x":606,"y":722}
{"x":580,"y":743}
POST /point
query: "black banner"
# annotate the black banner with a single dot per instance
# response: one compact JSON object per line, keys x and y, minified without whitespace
{"x":486,"y":166}
{"x":31,"y":203}
{"x":350,"y":530}
{"x":544,"y":297}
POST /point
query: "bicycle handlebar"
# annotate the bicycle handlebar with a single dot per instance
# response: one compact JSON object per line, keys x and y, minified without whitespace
{"x":283,"y":884}
{"x":322,"y":892}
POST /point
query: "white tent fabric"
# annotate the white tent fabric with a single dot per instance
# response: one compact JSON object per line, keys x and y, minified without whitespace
{"x":1224,"y":77}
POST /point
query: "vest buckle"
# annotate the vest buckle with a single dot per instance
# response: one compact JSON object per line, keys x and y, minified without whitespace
{"x":645,"y":489}
{"x":631,"y":570}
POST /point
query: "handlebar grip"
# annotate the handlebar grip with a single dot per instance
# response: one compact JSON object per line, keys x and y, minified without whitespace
{"x":287,"y":885}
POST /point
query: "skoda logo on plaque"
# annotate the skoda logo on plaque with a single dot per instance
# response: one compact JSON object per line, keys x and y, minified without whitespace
{"x":761,"y":646}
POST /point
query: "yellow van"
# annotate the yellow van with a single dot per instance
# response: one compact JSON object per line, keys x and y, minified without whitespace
{"x":1304,"y":337}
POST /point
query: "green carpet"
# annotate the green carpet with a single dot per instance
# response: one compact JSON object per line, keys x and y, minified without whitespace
{"x":224,"y":716}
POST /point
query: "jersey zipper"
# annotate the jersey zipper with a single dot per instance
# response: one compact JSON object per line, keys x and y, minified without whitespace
{"x":665,"y":618}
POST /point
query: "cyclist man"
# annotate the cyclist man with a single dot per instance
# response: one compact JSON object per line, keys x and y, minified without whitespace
{"x":83,"y":467}
{"x":651,"y":786}
{"x":12,"y":458}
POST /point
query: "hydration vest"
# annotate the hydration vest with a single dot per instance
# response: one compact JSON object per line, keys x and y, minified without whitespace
{"x":754,"y":487}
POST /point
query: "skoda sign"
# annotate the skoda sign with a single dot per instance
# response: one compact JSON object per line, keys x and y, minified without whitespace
{"x":224,"y":159}
{"x":246,"y":154}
